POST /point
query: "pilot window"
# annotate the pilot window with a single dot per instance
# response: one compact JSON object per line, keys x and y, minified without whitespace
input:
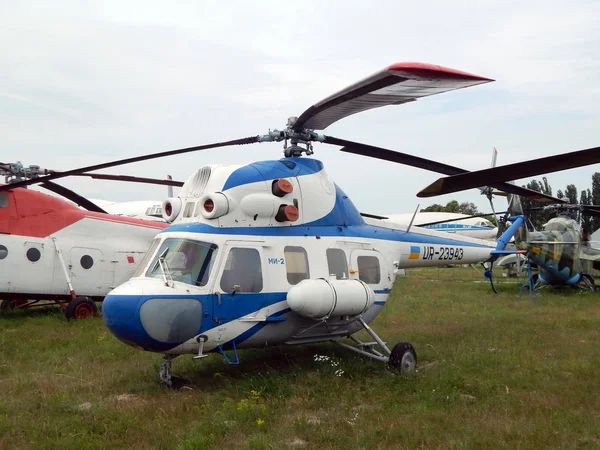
{"x":183,"y":260}
{"x":3,"y":200}
{"x":146,"y":259}
{"x":296,"y":264}
{"x":243,"y":270}
{"x":337,"y":264}
{"x":368,"y":269}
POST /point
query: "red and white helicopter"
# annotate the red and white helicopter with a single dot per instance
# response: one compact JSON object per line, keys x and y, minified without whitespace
{"x":275,"y":253}
{"x":51,"y":251}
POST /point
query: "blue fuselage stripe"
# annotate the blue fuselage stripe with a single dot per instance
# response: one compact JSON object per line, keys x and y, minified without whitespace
{"x":360,"y":231}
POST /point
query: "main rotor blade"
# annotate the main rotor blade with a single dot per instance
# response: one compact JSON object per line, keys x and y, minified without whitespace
{"x":70,"y":195}
{"x":396,"y":84}
{"x":119,"y":162}
{"x":523,"y":169}
{"x":129,"y":178}
{"x":433,"y":166}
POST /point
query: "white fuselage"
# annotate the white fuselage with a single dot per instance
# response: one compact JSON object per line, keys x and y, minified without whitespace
{"x":232,"y":316}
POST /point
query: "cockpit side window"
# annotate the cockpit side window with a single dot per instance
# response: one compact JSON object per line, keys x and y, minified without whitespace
{"x":3,"y":200}
{"x":146,"y":259}
{"x":183,"y":260}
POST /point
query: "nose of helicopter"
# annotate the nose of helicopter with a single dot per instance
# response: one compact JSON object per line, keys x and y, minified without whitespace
{"x":153,"y":323}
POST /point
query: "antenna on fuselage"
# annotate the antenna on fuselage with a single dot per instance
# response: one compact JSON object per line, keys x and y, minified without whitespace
{"x":169,"y":188}
{"x":413,"y":218}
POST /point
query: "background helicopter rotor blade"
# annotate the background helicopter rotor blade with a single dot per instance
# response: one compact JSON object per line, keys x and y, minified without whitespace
{"x":373,"y":216}
{"x":56,"y":175}
{"x":523,"y":169}
{"x":129,"y":178}
{"x":590,"y":211}
{"x":372,"y":151}
{"x":74,"y":197}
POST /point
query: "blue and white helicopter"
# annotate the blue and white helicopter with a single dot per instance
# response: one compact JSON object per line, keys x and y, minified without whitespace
{"x":274,"y":253}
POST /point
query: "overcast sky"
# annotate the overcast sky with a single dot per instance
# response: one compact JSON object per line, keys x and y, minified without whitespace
{"x":82,"y":82}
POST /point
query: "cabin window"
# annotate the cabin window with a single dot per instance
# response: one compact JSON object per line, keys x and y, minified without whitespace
{"x":189,"y":209}
{"x":242,"y":271}
{"x":368,"y":269}
{"x":296,"y":264}
{"x":337,"y":263}
{"x":86,"y":262}
{"x":3,"y":252}
{"x":33,"y":254}
{"x":3,"y":200}
{"x":183,"y":260}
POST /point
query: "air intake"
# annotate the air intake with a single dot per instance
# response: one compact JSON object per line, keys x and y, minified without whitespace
{"x":196,"y":184}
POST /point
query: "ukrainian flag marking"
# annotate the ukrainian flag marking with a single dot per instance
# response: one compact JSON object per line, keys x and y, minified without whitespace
{"x":414,"y":252}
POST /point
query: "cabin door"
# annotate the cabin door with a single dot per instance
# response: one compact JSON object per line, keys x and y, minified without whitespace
{"x":240,"y":285}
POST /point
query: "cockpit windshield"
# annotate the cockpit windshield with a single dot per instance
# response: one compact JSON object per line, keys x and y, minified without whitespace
{"x":183,"y":260}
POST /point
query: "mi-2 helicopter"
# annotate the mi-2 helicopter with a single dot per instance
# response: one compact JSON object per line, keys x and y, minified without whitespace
{"x":274,"y":253}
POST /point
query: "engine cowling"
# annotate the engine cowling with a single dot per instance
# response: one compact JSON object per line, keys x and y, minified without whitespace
{"x":321,"y":298}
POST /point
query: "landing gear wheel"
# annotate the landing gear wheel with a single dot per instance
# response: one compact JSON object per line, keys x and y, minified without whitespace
{"x":81,"y":308}
{"x":12,"y":303}
{"x":403,"y":357}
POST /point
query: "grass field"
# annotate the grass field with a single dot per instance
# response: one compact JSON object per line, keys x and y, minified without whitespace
{"x":495,"y":371}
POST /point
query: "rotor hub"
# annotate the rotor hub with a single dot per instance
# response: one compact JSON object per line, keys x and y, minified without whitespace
{"x":300,"y":141}
{"x":15,"y":172}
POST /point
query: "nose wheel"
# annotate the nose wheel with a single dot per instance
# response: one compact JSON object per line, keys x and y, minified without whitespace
{"x":168,"y":380}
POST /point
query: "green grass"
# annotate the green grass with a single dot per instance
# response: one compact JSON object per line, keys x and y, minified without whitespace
{"x":496,"y":371}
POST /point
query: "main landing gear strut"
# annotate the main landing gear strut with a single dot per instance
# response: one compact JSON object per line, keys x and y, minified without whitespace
{"x":402,"y":357}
